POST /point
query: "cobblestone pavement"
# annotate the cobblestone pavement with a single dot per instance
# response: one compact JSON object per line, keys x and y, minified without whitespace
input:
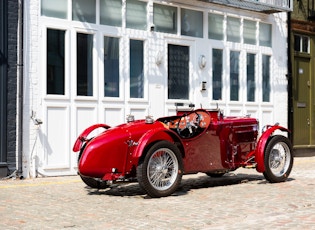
{"x":239,"y":200}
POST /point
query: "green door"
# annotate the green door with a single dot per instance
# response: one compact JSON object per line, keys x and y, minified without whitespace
{"x":301,"y":102}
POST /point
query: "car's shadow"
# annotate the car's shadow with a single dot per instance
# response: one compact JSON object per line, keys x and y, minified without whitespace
{"x":187,"y":184}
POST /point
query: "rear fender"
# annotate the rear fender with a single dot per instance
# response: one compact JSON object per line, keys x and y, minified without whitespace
{"x":151,"y":137}
{"x":261,"y":145}
{"x":83,"y":136}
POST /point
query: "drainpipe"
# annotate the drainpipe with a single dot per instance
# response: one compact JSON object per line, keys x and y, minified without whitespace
{"x":289,"y":78}
{"x":19,"y":124}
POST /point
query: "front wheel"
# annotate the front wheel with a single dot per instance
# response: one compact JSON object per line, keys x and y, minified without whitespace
{"x":278,"y":159}
{"x":160,"y":172}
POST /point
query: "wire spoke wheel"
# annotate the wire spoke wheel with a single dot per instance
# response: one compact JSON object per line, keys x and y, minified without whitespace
{"x":160,"y":172}
{"x":162,"y":169}
{"x":278,"y":159}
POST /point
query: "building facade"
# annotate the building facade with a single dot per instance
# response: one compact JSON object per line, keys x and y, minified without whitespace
{"x":97,"y":61}
{"x":10,"y":69}
{"x":302,"y":57}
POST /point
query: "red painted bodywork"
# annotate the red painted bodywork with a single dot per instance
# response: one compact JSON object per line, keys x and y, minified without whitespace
{"x":223,"y":144}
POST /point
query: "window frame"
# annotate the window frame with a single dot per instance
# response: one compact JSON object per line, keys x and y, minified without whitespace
{"x":68,"y":67}
{"x":145,"y":70}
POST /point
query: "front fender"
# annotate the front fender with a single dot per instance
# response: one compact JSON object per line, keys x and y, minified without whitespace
{"x":152,"y":136}
{"x":83,"y":136}
{"x":261,"y":145}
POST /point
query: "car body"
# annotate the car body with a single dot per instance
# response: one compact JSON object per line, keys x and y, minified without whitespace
{"x":157,"y":153}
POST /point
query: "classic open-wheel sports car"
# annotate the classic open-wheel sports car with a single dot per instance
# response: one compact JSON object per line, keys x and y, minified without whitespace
{"x":156,"y":153}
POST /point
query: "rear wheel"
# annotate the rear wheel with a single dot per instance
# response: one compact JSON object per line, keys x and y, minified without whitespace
{"x":94,"y":183}
{"x":89,"y":181}
{"x":278,"y":159}
{"x":160,"y":172}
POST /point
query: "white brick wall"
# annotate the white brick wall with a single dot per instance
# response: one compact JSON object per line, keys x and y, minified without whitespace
{"x":34,"y":102}
{"x":31,"y":87}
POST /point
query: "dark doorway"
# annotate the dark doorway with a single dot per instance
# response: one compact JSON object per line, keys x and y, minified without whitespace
{"x":3,"y":87}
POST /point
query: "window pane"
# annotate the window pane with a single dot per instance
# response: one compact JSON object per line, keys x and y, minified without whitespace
{"x":84,"y":64}
{"x":266,"y":78}
{"x":165,"y":18}
{"x":265,"y":34}
{"x":111,"y":67}
{"x":297,"y":43}
{"x":136,"y":69}
{"x":83,"y":10}
{"x":110,"y":11}
{"x":217,"y":58}
{"x":302,"y":43}
{"x":191,"y":23}
{"x":251,"y":85}
{"x":56,"y":8}
{"x":136,"y":15}
{"x":178,"y":72}
{"x":234,"y":75}
{"x":305,"y":44}
{"x":233,"y":29}
{"x":250,"y":32}
{"x":55,"y":62}
{"x":215,"y":24}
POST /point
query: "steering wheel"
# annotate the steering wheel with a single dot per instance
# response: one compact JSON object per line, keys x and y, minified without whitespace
{"x":188,"y":124}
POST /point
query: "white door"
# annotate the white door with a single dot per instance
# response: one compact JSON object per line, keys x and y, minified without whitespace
{"x":90,"y":78}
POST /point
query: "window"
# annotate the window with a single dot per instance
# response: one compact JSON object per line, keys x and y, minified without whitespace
{"x":178,"y":72}
{"x":110,"y":12}
{"x":265,"y":34}
{"x":111,"y":67}
{"x":84,"y":11}
{"x":136,"y":69}
{"x":251,"y":84}
{"x":136,"y":15}
{"x":266,"y":78}
{"x":192,"y":23}
{"x":234,"y":75}
{"x":84,"y":64}
{"x":217,"y":58}
{"x":233,"y":29}
{"x":215,"y":26}
{"x":165,"y":18}
{"x":57,"y":8}
{"x":249,"y":32}
{"x":55,"y":78}
{"x":301,"y":44}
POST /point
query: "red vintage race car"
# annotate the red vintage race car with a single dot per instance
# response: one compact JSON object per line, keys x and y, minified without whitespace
{"x":157,"y":153}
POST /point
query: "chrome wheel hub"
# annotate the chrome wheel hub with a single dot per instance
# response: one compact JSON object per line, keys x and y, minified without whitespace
{"x":279,"y":159}
{"x":162,"y":169}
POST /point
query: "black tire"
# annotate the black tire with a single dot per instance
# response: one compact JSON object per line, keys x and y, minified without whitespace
{"x":89,"y":181}
{"x":160,"y":172}
{"x":278,"y":159}
{"x":94,"y":183}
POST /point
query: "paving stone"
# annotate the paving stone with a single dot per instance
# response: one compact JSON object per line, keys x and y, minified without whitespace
{"x":239,"y":200}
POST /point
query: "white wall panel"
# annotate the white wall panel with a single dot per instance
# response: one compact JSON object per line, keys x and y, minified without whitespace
{"x":267,"y":118}
{"x":114,"y":116}
{"x":57,"y":138}
{"x":235,"y":112}
{"x":252,"y":113}
{"x":138,"y":113}
{"x":85,"y":117}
